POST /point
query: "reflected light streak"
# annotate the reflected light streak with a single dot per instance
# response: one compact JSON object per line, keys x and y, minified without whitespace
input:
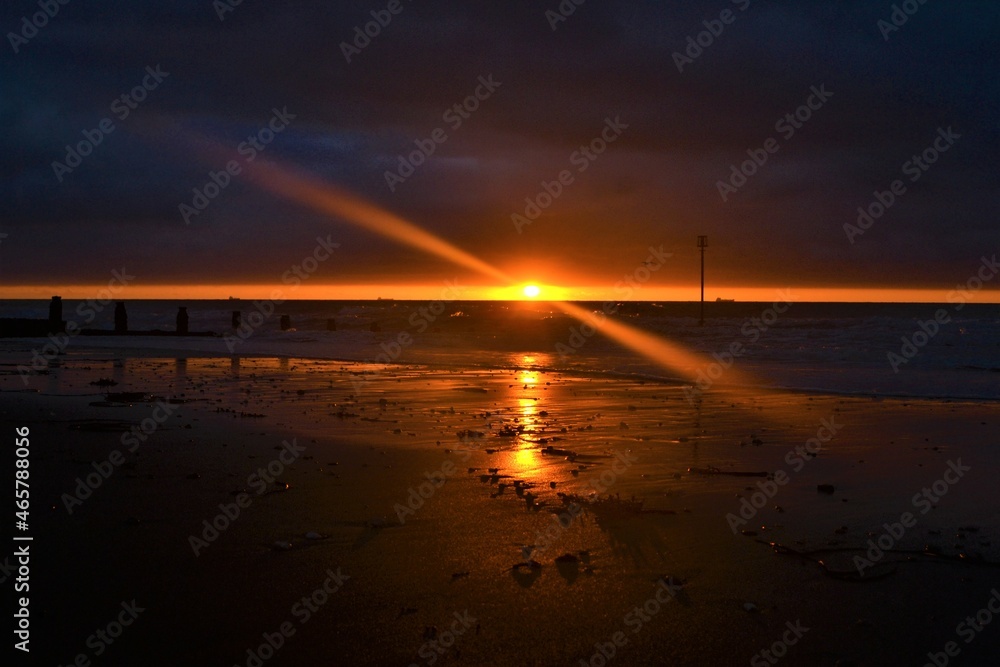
{"x":655,"y":348}
{"x":309,"y":191}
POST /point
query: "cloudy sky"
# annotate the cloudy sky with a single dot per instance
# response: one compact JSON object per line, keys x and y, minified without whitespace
{"x":887,"y":95}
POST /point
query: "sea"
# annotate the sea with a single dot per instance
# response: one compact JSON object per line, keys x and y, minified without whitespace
{"x":949,"y":350}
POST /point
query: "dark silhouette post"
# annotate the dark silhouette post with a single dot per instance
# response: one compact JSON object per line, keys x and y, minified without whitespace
{"x":182,"y":321}
{"x":55,"y":315}
{"x":286,"y":322}
{"x":121,"y":318}
{"x":237,"y":319}
{"x":702,"y":244}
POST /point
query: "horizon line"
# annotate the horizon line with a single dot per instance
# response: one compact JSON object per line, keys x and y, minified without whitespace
{"x":456,"y":291}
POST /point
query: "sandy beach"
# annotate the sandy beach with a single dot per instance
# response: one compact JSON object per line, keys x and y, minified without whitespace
{"x":527,"y":334}
{"x":399,"y":515}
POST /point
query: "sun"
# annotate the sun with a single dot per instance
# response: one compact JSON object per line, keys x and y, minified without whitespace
{"x":531,"y":291}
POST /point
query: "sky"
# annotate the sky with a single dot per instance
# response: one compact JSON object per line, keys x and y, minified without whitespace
{"x":622,"y":131}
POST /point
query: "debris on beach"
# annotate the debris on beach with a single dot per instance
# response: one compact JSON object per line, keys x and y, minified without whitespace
{"x":712,"y":470}
{"x":825,"y":488}
{"x":750,"y":607}
{"x":528,"y":565}
{"x":129,"y":397}
{"x":282,"y":545}
{"x":313,"y":535}
{"x":672,"y":581}
{"x":607,"y":504}
{"x":555,"y":451}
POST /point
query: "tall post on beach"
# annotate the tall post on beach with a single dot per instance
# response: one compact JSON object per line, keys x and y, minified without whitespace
{"x":182,"y":321}
{"x":121,"y":318}
{"x":702,"y":244}
{"x":237,"y":319}
{"x":286,"y":322}
{"x":55,"y":315}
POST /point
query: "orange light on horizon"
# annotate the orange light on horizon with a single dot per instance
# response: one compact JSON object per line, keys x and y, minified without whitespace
{"x":513,"y":292}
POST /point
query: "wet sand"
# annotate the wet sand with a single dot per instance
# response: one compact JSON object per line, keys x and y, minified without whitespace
{"x":371,"y":435}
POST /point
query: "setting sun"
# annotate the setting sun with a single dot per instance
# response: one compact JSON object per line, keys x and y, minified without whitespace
{"x":531,"y":291}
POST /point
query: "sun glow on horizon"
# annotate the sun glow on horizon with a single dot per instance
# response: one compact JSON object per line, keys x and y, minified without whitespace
{"x":531,"y":291}
{"x":472,"y":292}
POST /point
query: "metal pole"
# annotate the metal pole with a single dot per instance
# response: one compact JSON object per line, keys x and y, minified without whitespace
{"x":702,"y":320}
{"x":702,"y":244}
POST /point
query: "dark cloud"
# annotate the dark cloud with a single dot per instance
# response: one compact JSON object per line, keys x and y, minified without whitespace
{"x":655,"y":184}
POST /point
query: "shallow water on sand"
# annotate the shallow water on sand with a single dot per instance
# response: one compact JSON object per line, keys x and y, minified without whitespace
{"x":378,"y":438}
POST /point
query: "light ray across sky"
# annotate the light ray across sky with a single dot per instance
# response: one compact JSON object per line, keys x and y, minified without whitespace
{"x":325,"y":198}
{"x":309,"y":191}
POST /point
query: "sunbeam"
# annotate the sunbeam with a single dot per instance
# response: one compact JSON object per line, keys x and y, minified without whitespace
{"x":309,"y":191}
